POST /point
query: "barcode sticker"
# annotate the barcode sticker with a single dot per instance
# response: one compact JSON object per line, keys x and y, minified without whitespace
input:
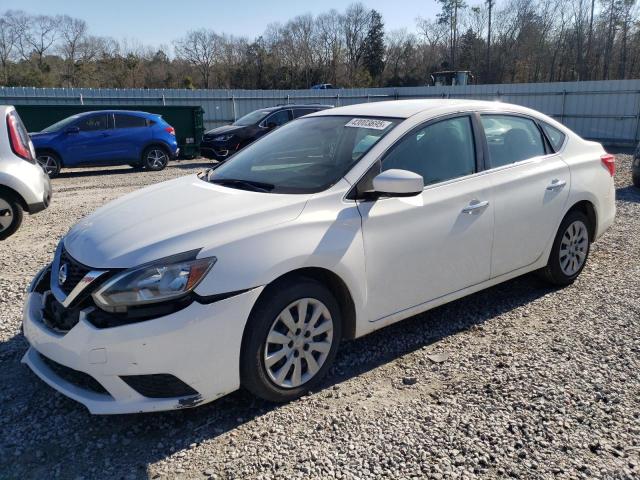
{"x":368,"y":123}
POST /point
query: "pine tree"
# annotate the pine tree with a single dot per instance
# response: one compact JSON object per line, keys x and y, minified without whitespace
{"x":374,"y":46}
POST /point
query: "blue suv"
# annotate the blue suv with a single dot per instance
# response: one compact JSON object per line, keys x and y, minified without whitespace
{"x":106,"y":137}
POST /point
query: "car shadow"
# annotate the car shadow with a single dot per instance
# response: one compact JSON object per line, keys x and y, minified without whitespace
{"x":629,"y":194}
{"x":118,"y":442}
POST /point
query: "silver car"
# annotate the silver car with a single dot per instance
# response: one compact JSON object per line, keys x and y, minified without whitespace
{"x":24,"y":186}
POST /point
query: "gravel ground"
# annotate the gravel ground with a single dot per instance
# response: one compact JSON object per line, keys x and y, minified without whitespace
{"x":517,"y":381}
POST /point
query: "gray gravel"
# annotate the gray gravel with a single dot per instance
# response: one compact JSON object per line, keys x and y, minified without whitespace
{"x":519,"y":381}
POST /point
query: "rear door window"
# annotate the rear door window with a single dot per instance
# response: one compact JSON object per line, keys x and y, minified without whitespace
{"x":129,"y":121}
{"x":511,"y":139}
{"x":93,"y":123}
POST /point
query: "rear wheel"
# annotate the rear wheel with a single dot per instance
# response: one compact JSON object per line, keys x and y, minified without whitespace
{"x":155,"y":158}
{"x":570,"y":250}
{"x":291,"y":340}
{"x":50,"y":163}
{"x":10,"y":215}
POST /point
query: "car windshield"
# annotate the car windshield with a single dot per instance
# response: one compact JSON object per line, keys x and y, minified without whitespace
{"x":304,"y":156}
{"x":61,"y":124}
{"x":251,"y":118}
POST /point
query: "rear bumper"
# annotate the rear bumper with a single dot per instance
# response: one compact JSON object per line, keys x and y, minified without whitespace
{"x":28,"y":180}
{"x":46,"y":199}
{"x":199,"y":345}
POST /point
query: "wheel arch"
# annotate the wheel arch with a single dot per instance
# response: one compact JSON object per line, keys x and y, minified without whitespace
{"x":155,"y":143}
{"x":589,"y":209}
{"x":50,"y":150}
{"x":16,"y":195}
{"x":333,"y":282}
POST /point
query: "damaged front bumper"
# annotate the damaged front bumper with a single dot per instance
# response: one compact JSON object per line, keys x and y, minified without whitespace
{"x":181,"y":360}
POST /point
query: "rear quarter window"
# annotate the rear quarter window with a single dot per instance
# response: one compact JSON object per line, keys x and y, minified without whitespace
{"x":130,"y":121}
{"x":555,"y":136}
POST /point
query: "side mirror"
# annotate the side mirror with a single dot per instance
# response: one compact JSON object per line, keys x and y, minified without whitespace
{"x":69,"y":130}
{"x":398,"y":183}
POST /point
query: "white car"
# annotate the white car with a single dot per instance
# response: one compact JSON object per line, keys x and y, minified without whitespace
{"x":24,"y":185}
{"x":331,"y":227}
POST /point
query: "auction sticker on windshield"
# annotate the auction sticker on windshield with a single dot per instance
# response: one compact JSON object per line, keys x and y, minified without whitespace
{"x":368,"y":123}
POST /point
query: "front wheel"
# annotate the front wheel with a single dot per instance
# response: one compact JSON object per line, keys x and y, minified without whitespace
{"x":50,"y":163}
{"x":291,"y":339}
{"x":155,"y":158}
{"x":570,"y":250}
{"x":10,"y":215}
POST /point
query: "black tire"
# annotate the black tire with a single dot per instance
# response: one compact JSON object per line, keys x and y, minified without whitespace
{"x":151,"y":160}
{"x":50,"y":162}
{"x":554,"y":272}
{"x":11,"y":214}
{"x":636,"y":180}
{"x":253,"y":369}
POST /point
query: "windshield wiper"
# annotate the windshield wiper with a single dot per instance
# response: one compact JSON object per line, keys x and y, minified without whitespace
{"x":244,"y":184}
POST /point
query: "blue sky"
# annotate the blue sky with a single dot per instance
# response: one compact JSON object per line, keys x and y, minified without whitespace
{"x":156,"y":22}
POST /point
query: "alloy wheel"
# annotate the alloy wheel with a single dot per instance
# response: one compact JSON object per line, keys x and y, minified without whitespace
{"x":573,"y":248}
{"x":6,"y":215}
{"x":298,"y":343}
{"x":156,"y":158}
{"x":48,"y":163}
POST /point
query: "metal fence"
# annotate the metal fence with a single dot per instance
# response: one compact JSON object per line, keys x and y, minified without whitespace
{"x":608,"y":111}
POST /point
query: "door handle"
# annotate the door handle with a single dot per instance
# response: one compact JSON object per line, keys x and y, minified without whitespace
{"x":475,"y":206}
{"x":556,"y":185}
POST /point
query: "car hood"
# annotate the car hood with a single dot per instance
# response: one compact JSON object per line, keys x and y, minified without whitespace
{"x":175,"y":217}
{"x":225,"y":129}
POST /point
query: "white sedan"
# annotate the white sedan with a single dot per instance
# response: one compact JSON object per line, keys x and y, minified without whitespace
{"x":331,"y":227}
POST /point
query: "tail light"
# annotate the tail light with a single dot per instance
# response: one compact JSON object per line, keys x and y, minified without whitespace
{"x":170,"y":131}
{"x":19,"y":145}
{"x":609,"y":161}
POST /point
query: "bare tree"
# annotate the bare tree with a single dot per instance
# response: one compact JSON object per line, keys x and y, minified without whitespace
{"x":355,"y":25}
{"x":73,"y":33}
{"x":8,"y":44}
{"x":330,"y":41}
{"x":36,"y":36}
{"x":200,"y":48}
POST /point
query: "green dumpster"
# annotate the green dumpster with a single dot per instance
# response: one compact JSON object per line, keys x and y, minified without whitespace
{"x":186,"y":120}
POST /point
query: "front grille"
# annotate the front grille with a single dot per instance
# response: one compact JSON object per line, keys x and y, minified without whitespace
{"x":57,"y":317}
{"x":79,"y":379}
{"x":161,"y":385}
{"x":75,"y":272}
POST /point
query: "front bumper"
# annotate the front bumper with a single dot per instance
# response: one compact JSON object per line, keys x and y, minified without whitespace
{"x":218,"y":150}
{"x":199,"y":345}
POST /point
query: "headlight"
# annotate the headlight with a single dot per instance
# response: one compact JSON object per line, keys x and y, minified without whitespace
{"x":222,"y":138}
{"x":155,"y":282}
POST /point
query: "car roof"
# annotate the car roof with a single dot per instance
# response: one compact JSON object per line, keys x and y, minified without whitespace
{"x":296,"y":105}
{"x":408,"y":108}
{"x":132,"y":112}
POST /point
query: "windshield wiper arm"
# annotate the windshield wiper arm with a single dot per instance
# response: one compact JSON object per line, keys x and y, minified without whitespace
{"x":246,"y":184}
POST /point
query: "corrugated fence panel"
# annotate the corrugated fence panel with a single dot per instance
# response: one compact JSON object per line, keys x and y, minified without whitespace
{"x":603,"y":110}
